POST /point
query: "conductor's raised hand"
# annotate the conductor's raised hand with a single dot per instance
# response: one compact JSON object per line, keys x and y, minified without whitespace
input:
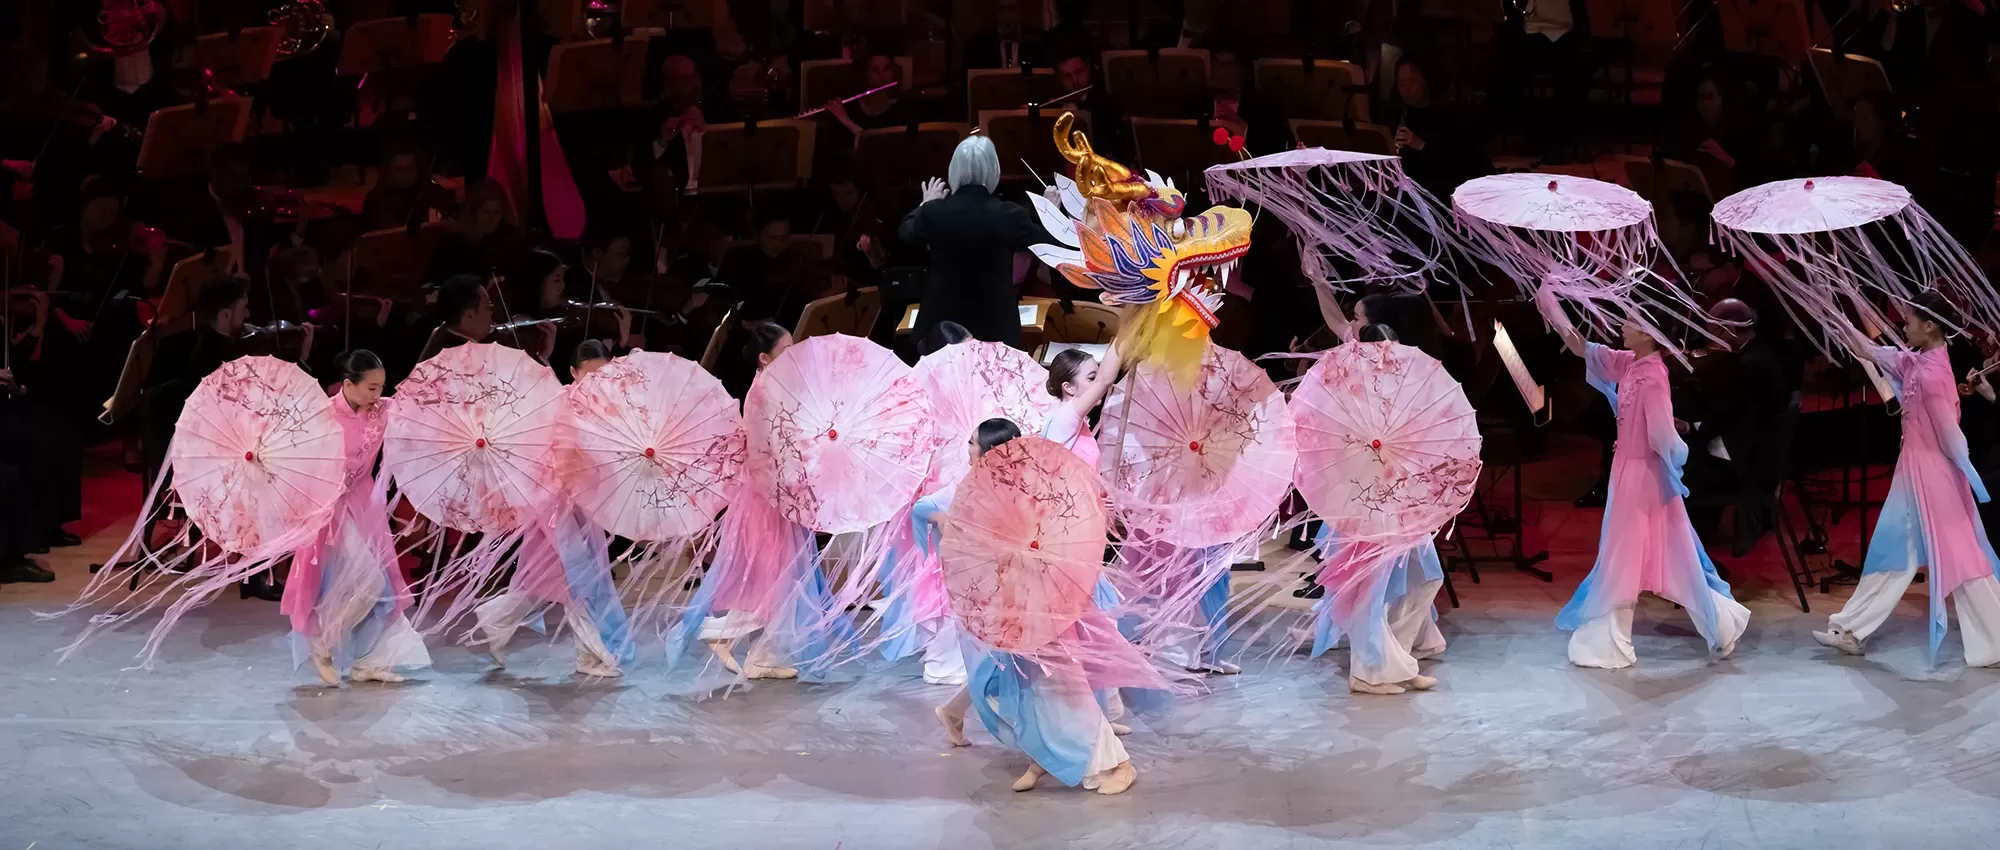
{"x":934,"y":190}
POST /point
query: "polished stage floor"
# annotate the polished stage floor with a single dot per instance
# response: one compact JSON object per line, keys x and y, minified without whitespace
{"x":1786,"y":745}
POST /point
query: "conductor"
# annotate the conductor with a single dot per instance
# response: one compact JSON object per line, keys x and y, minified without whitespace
{"x":973,"y":237}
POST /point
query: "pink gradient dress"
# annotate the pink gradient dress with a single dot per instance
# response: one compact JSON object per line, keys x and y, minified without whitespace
{"x":345,"y":596}
{"x":1647,"y":542}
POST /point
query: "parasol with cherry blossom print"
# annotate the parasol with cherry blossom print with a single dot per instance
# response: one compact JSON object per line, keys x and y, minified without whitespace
{"x":257,"y":454}
{"x":471,"y":445}
{"x":1023,"y":544}
{"x":971,"y":382}
{"x":840,"y":434}
{"x":654,"y":444}
{"x":1388,"y":443}
{"x":1202,"y":466}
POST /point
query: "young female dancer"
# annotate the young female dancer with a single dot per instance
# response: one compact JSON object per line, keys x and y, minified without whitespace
{"x":565,"y":560}
{"x":1930,"y":519}
{"x":1043,"y":705}
{"x":1079,"y":382}
{"x":346,"y":595}
{"x":1647,"y":541}
{"x":765,"y":575}
{"x":1386,"y":614}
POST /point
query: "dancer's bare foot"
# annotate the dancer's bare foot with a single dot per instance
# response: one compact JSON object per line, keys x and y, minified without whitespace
{"x":1027,"y":780}
{"x":1361,"y":687}
{"x":1118,"y":779}
{"x":376,"y":674}
{"x":1120,"y":729}
{"x":323,"y":665}
{"x":725,"y":652}
{"x":1423,"y":683}
{"x":954,"y":726}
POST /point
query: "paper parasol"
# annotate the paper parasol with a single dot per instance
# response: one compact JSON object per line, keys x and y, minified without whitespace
{"x":1591,"y":242}
{"x":1829,"y":245}
{"x":471,"y":444}
{"x":1202,"y":465}
{"x":1023,"y":544}
{"x":1358,"y":217}
{"x":971,"y":382}
{"x":655,"y":446}
{"x":840,"y":434}
{"x":257,"y":454}
{"x":1388,"y":444}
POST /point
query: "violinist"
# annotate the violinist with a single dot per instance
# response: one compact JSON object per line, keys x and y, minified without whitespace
{"x":606,"y":277}
{"x":483,"y":243}
{"x":462,"y":313}
{"x":863,"y":246}
{"x":404,"y":193}
{"x":534,"y":293}
{"x":99,"y":271}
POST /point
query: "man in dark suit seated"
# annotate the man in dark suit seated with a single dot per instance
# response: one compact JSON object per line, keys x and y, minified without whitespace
{"x":180,"y":362}
{"x":1737,"y":396}
{"x":972,"y":236}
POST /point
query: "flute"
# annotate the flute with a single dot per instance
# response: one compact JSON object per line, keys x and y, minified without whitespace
{"x":817,"y":110}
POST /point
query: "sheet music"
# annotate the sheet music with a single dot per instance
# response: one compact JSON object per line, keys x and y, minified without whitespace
{"x":1531,"y":392}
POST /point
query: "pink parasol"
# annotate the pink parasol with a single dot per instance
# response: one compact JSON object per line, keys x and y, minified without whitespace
{"x":1023,"y":544}
{"x":1591,"y":242}
{"x":257,"y":454}
{"x":471,"y":445}
{"x":655,"y":444}
{"x":840,"y":434}
{"x":1203,"y":467}
{"x":1357,"y":216}
{"x":1388,"y":444}
{"x":1833,"y":244}
{"x":972,"y":382}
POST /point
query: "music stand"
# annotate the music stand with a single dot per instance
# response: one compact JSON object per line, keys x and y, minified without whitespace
{"x":1019,"y":136}
{"x":1034,"y":316}
{"x":834,"y":315}
{"x":602,"y":74}
{"x":1319,"y":90}
{"x":716,"y":339}
{"x":1157,"y":83}
{"x":1342,"y":136}
{"x":1775,"y":28}
{"x":173,"y":315}
{"x":902,"y":157}
{"x":670,"y":14}
{"x":1179,"y":149}
{"x":772,"y":155}
{"x":179,"y":139}
{"x":1006,"y":88}
{"x":186,"y":281}
{"x":391,"y":263}
{"x":240,"y":57}
{"x":1847,"y":78}
{"x":388,"y":44}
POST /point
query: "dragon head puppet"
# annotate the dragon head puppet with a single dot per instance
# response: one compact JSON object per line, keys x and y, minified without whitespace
{"x":1124,"y":235}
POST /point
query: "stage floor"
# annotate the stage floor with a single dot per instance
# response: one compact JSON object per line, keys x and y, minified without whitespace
{"x":1786,"y":745}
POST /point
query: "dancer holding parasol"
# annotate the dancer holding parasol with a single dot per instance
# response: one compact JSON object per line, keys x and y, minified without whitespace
{"x":346,"y":597}
{"x":1648,"y":543}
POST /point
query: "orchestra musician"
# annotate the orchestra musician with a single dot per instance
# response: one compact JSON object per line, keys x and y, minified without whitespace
{"x":484,"y":241}
{"x":463,"y":313}
{"x":404,"y":193}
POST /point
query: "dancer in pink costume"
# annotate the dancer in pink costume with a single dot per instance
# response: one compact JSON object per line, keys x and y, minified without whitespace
{"x":1647,"y":542}
{"x":1079,"y":382}
{"x":1930,"y":519}
{"x":346,"y":596}
{"x":564,"y":560}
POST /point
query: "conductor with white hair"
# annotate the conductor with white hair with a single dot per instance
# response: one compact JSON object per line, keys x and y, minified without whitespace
{"x":973,"y":237}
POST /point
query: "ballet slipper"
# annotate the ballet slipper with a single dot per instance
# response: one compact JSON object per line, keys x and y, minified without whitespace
{"x":323,"y":665}
{"x":725,"y":652}
{"x":1843,"y":641}
{"x":376,"y":674}
{"x":1361,"y":687}
{"x":1423,"y":683}
{"x":1120,"y":729}
{"x":1428,"y":654}
{"x":954,"y":726}
{"x":1027,"y":780}
{"x":767,"y":671}
{"x":1118,"y":779}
